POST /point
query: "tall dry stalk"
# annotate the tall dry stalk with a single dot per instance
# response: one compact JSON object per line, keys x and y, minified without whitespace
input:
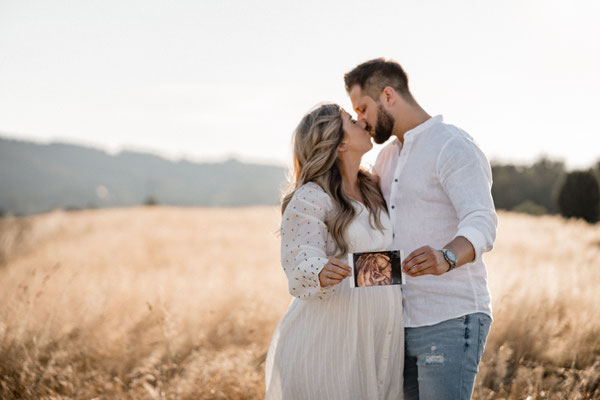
{"x":171,"y":303}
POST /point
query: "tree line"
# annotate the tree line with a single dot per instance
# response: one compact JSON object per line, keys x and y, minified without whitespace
{"x":542,"y":187}
{"x":546,"y":187}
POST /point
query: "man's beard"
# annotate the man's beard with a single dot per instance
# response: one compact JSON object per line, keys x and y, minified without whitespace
{"x":384,"y":126}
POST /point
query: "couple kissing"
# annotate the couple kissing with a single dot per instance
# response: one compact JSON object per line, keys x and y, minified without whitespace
{"x":429,"y":195}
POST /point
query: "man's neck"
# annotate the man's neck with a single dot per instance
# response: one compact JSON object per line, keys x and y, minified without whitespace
{"x":410,"y":120}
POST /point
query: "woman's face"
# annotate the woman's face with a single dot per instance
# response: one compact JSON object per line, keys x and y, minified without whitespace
{"x":356,"y":137}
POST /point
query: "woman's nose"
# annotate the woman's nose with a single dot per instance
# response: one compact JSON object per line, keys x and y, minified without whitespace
{"x":362,"y":124}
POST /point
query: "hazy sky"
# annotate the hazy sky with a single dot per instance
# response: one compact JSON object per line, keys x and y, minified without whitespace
{"x":207,"y":79}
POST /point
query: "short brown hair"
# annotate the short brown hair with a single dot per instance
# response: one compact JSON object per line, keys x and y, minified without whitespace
{"x":374,"y":75}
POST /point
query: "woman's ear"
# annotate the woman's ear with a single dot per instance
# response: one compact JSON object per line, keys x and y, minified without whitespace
{"x":342,"y":147}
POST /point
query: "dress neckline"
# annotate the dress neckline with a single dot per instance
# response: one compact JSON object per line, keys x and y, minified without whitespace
{"x":358,"y":202}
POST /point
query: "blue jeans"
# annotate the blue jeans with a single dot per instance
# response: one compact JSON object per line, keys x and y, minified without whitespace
{"x":441,"y":360}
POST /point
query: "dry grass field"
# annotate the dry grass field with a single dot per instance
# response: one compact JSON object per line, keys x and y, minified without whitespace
{"x":174,"y":303}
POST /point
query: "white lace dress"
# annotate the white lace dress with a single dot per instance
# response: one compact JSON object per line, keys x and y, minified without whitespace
{"x":336,"y":342}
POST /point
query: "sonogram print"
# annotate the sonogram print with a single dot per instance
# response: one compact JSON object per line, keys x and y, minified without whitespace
{"x":373,"y":269}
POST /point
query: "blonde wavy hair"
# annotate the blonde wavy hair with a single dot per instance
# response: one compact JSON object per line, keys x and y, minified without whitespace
{"x":315,"y":141}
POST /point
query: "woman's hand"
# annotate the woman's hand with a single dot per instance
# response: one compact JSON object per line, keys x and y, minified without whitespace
{"x":334,"y":272}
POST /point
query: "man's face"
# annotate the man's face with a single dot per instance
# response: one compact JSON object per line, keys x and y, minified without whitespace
{"x":380,"y":123}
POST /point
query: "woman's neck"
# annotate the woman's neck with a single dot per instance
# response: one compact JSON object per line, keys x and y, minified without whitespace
{"x":349,"y":171}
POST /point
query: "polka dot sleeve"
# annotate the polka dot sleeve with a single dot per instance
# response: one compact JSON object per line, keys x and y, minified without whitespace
{"x":304,"y":239}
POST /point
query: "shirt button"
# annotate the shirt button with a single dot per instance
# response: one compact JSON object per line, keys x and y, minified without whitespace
{"x":389,"y":333}
{"x":393,"y":207}
{"x":395,"y":180}
{"x":393,"y":235}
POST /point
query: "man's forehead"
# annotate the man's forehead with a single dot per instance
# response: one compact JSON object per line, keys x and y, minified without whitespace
{"x":357,"y":97}
{"x":355,"y":92}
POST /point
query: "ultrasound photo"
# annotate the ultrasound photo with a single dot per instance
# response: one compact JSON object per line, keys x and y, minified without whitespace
{"x":377,"y":268}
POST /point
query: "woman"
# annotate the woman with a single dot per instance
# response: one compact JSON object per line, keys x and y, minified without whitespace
{"x":334,"y":342}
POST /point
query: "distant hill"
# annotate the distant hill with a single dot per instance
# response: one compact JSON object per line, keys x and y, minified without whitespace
{"x":36,"y":178}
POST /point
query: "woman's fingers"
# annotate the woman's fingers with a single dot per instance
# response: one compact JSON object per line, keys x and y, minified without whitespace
{"x":331,"y":281}
{"x":335,"y":275}
{"x":327,"y":278}
{"x":334,"y":269}
{"x":327,"y":281}
{"x":340,"y":265}
{"x":334,"y":272}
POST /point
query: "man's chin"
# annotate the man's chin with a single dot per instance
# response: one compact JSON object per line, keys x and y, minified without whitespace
{"x":380,"y":139}
{"x":374,"y":137}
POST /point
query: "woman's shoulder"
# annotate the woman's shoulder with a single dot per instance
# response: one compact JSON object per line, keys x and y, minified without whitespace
{"x":313,"y":193}
{"x":311,"y":190}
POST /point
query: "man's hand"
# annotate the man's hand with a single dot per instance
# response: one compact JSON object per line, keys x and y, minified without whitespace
{"x":425,"y":261}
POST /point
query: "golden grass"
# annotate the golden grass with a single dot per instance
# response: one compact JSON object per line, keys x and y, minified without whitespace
{"x":172,"y":303}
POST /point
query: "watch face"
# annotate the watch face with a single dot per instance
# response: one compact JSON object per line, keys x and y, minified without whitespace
{"x":451,"y":256}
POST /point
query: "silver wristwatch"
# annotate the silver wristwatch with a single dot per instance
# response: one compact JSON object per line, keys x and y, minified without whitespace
{"x":450,"y":257}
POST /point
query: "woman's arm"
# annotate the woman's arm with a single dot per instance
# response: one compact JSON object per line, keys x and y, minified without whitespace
{"x":304,"y":242}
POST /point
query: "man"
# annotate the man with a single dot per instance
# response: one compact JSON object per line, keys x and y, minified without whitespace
{"x":437,"y":185}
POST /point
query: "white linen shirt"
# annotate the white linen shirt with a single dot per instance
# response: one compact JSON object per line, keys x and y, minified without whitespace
{"x":437,"y":186}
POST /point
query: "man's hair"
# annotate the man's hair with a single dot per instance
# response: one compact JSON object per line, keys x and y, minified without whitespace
{"x":374,"y":75}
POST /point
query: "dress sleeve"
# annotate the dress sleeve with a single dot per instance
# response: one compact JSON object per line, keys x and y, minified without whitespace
{"x":304,"y":242}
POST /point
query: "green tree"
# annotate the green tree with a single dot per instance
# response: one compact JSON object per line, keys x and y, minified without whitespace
{"x":519,"y":186}
{"x":151,"y":201}
{"x":579,"y":196}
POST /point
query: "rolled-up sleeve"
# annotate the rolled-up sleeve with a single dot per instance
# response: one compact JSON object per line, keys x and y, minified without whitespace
{"x":466,"y":177}
{"x":304,"y":242}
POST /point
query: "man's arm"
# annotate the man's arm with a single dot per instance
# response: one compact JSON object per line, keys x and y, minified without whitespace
{"x":465,"y":175}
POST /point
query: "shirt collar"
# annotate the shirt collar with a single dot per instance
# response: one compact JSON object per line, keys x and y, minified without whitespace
{"x":420,"y":128}
{"x":424,"y":126}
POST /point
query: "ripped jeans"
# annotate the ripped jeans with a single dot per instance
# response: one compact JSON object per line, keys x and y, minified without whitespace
{"x":441,"y":360}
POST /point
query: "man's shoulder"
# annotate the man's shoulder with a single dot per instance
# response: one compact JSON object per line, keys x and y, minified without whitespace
{"x":443,"y":132}
{"x":455,"y":146}
{"x":447,"y":137}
